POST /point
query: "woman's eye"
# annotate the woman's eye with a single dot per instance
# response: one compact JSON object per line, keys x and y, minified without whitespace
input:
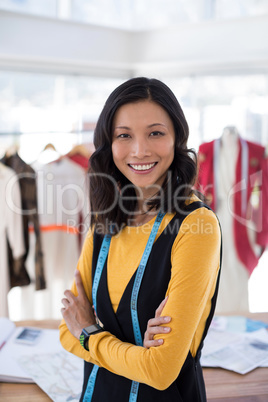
{"x":156,"y":133}
{"x":123,"y":136}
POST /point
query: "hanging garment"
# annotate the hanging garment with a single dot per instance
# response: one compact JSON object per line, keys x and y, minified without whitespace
{"x":233,"y":176}
{"x":81,"y":153}
{"x":81,"y":160}
{"x":11,"y":229}
{"x":61,"y":201}
{"x":27,"y":182}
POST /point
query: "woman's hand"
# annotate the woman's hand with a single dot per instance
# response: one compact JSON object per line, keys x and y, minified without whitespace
{"x":77,"y":311}
{"x":154,"y":327}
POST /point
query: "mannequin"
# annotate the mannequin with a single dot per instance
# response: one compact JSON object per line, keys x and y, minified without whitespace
{"x":232,"y":280}
{"x":229,"y":170}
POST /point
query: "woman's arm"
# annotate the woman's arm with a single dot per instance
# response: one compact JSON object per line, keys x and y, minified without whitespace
{"x":77,"y":311}
{"x":78,"y":314}
{"x":68,"y":340}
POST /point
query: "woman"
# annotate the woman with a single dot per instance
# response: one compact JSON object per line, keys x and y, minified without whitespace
{"x":150,"y":263}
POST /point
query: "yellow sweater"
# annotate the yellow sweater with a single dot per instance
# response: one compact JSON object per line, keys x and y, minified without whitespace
{"x":195,"y":260}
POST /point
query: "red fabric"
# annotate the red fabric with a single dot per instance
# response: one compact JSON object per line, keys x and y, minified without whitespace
{"x":205,"y":182}
{"x":80,"y":160}
{"x":257,"y":180}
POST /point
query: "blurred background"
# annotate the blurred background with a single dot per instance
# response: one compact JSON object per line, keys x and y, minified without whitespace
{"x":60,"y":59}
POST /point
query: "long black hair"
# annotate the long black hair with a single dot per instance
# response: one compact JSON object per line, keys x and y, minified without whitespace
{"x":108,"y":207}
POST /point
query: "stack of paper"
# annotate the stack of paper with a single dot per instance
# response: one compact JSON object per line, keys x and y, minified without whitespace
{"x":236,"y":343}
{"x":36,"y":355}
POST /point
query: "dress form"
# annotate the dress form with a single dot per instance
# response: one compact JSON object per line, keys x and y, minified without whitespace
{"x":233,"y":290}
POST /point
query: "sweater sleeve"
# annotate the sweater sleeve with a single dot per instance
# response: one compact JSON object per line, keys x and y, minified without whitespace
{"x":195,"y":262}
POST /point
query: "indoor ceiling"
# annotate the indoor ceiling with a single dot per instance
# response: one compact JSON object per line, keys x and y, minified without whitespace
{"x":139,"y":14}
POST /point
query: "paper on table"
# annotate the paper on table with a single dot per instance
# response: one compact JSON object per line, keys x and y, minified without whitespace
{"x":217,"y":340}
{"x":237,"y":352}
{"x":262,"y":337}
{"x":10,"y":371}
{"x":60,"y":375}
{"x":57,"y":372}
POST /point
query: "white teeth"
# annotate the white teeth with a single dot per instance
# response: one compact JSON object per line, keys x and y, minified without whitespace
{"x":143,"y":167}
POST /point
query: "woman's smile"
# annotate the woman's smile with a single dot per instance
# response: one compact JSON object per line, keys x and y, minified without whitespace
{"x":142,"y":167}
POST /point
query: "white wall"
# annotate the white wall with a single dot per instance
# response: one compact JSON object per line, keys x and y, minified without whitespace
{"x":36,"y":43}
{"x":205,"y":48}
{"x":50,"y":45}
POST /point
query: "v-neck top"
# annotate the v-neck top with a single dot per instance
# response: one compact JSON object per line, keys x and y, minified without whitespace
{"x":195,"y":262}
{"x":129,"y":249}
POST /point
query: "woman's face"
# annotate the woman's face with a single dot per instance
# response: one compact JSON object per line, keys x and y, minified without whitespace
{"x":143,"y":143}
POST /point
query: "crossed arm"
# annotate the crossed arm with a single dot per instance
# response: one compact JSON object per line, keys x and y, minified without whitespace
{"x":78,"y":314}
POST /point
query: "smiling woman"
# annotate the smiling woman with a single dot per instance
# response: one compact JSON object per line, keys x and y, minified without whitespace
{"x":151,"y":261}
{"x":141,"y":161}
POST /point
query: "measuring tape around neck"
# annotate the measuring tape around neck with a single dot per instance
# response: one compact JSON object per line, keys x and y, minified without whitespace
{"x":133,"y":303}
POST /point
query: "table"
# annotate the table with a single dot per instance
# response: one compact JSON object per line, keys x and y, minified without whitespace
{"x":227,"y":386}
{"x":221,"y":385}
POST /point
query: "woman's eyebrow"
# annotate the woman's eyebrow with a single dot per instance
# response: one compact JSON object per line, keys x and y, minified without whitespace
{"x":123,"y":127}
{"x":156,"y":124}
{"x":149,"y":126}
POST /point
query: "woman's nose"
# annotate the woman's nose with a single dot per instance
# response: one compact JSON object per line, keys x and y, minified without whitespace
{"x":140,"y":148}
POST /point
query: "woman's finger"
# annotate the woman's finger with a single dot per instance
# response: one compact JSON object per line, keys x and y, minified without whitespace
{"x":159,"y":309}
{"x":152,"y":343}
{"x":65,"y":302}
{"x":157,"y":330}
{"x":153,"y":322}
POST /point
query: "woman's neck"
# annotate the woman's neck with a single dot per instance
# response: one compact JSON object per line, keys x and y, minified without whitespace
{"x":140,"y":218}
{"x":142,"y":213}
